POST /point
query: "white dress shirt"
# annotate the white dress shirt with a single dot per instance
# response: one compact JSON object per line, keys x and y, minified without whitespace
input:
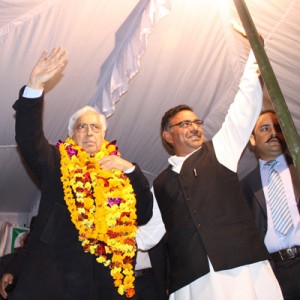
{"x":274,"y":240}
{"x":148,"y":236}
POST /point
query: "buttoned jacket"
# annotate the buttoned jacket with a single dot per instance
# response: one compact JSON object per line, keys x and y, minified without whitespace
{"x":56,"y":266}
{"x":254,"y":194}
{"x":205,"y":214}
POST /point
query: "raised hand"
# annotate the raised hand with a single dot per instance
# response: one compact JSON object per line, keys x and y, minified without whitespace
{"x":47,"y":67}
{"x":240,"y":29}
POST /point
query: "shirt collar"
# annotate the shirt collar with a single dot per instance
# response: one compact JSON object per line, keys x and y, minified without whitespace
{"x":177,"y":161}
{"x":280,"y":159}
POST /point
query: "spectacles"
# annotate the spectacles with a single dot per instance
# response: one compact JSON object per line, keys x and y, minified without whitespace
{"x":187,"y":123}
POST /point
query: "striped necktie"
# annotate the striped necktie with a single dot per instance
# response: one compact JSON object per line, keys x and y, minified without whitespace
{"x":281,"y":215}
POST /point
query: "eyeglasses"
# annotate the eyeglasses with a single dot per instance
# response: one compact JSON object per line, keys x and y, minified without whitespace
{"x":187,"y":123}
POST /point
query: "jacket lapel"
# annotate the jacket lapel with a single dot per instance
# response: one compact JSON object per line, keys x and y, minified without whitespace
{"x":256,"y":186}
{"x":296,"y":184}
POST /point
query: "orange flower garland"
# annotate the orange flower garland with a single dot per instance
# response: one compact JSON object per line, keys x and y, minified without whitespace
{"x":102,"y":207}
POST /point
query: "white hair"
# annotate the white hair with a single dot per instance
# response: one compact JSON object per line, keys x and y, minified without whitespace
{"x":79,"y":113}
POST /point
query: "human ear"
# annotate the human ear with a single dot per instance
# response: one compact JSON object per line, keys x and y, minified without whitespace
{"x":167,"y":136}
{"x":252,"y":140}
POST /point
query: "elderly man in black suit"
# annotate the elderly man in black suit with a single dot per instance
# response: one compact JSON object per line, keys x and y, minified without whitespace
{"x":83,"y":242}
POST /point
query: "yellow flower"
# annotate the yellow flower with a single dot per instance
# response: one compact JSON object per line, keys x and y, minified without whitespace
{"x":88,"y":203}
{"x":101,"y":259}
{"x":121,"y":289}
{"x":115,"y":271}
{"x":118,"y":282}
{"x":128,"y":281}
{"x":102,"y":207}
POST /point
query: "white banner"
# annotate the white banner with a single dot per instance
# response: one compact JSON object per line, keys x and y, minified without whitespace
{"x":11,"y":237}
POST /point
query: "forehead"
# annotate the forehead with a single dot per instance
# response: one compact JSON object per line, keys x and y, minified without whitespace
{"x":184,"y":115}
{"x":88,"y":117}
{"x":267,"y":119}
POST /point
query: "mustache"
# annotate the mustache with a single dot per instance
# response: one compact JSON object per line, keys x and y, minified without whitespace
{"x":273,"y":136}
{"x":196,"y":133}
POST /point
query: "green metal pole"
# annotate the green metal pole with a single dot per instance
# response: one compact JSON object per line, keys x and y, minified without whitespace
{"x":279,"y":104}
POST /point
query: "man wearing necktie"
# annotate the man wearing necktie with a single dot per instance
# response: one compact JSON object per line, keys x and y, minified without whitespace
{"x":272,"y":190}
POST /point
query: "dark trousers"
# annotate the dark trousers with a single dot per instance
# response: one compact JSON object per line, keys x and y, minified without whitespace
{"x":288,"y":275}
{"x":146,"y":288}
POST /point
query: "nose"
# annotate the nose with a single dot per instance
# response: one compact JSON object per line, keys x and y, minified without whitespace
{"x":274,"y":130}
{"x":194,"y":127}
{"x":89,"y":130}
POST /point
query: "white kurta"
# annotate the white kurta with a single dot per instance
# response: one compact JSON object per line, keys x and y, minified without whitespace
{"x":254,"y":281}
{"x":147,"y":236}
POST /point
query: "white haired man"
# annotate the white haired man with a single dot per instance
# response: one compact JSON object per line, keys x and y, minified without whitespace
{"x":83,"y":243}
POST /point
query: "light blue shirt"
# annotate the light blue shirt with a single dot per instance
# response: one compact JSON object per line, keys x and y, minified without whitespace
{"x":32,"y":93}
{"x":274,"y":240}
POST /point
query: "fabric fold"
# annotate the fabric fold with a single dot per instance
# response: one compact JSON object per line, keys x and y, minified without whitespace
{"x":128,"y":51}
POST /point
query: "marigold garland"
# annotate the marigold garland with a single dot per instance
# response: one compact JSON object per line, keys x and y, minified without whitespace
{"x":102,"y":207}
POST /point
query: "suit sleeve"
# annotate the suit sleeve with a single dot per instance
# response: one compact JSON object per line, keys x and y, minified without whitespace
{"x":144,"y":198}
{"x":30,"y":137}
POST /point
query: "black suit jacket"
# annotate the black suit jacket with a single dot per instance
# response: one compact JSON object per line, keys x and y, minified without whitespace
{"x":159,"y":263}
{"x":253,"y":191}
{"x":56,"y":267}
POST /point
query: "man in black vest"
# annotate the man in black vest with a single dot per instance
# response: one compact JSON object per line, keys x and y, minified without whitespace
{"x":269,"y":145}
{"x":215,"y":249}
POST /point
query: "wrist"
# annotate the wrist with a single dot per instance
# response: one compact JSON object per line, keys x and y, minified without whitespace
{"x":35,"y":85}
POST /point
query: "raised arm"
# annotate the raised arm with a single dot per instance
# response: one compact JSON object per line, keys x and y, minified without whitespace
{"x":231,"y":139}
{"x":29,"y":107}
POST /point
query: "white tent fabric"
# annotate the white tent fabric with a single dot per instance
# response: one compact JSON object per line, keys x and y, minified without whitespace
{"x":192,"y":56}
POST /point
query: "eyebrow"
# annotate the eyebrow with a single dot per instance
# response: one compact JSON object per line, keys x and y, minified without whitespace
{"x":264,"y":125}
{"x":88,"y":124}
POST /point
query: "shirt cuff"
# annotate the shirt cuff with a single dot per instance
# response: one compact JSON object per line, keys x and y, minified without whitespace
{"x":129,"y":170}
{"x":32,"y":93}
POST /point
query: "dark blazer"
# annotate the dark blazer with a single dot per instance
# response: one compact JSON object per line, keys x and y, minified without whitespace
{"x":56,"y":266}
{"x":254,"y":194}
{"x":159,"y":263}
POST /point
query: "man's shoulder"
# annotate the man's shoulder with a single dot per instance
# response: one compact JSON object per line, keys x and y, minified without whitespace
{"x":252,"y":181}
{"x":289,"y":159}
{"x":161,"y":178}
{"x":164,"y":172}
